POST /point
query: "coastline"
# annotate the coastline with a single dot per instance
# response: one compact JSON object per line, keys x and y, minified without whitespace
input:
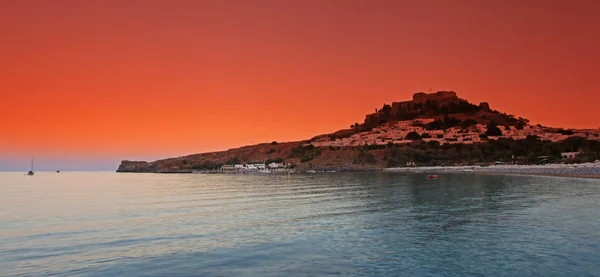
{"x":590,"y":170}
{"x":583,"y":170}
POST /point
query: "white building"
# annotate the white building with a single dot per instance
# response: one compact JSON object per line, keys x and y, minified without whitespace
{"x":255,"y":166}
{"x":405,"y":123}
{"x":439,"y":140}
{"x":383,"y":141}
{"x":414,"y":129}
{"x":434,"y":132}
{"x":276,"y":165}
{"x":424,"y":120}
{"x":569,"y":155}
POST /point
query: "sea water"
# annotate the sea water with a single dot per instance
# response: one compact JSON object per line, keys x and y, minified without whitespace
{"x":329,"y":224}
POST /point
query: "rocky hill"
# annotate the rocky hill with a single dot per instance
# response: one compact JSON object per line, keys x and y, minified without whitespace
{"x":444,"y":110}
{"x":248,"y":154}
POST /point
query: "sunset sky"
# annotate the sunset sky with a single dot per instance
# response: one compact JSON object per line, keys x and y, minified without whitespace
{"x":85,"y":84}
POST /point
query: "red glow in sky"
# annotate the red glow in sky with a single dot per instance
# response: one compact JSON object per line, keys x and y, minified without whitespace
{"x":127,"y":79}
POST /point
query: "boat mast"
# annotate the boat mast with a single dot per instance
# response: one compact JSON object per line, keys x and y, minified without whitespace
{"x":32,"y":163}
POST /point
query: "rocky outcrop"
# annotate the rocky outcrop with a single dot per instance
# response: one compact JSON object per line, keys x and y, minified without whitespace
{"x":137,"y":166}
{"x":485,"y":106}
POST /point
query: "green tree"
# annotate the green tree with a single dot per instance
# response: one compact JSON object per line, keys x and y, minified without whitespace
{"x":453,"y":154}
{"x":568,"y":132}
{"x":232,"y":160}
{"x":276,"y":160}
{"x":522,"y":122}
{"x":467,"y":123}
{"x":433,"y":144}
{"x":493,"y":130}
{"x":476,"y":154}
{"x":413,"y":136}
{"x":370,"y":158}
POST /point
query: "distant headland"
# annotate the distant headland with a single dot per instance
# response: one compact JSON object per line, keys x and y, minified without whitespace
{"x":435,"y":129}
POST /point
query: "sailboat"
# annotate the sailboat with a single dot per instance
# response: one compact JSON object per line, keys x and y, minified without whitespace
{"x":30,"y":173}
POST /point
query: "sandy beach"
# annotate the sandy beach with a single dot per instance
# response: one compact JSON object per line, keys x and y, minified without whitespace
{"x":583,"y":170}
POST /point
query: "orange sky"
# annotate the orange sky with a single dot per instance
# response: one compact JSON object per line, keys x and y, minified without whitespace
{"x":120,"y":79}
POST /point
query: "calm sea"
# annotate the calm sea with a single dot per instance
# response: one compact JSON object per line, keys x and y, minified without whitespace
{"x":342,"y":224}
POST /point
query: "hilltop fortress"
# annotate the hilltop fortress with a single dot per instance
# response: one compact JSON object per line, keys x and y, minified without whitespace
{"x":440,"y":99}
{"x":434,"y":105}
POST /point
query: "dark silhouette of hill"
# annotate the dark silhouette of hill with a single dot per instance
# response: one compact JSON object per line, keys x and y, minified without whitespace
{"x":443,"y":110}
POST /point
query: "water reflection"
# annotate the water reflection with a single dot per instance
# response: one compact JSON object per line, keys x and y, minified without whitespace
{"x":355,"y":224}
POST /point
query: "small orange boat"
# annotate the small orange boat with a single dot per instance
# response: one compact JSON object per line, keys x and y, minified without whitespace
{"x":432,"y":176}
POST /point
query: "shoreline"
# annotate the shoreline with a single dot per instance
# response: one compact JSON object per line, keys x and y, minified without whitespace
{"x":583,"y":170}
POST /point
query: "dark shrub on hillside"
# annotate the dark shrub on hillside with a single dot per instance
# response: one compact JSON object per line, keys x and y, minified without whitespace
{"x":370,"y":158}
{"x":233,"y":160}
{"x":413,"y":136}
{"x":493,"y":130}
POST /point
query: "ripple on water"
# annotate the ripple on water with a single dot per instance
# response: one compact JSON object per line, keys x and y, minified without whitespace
{"x":349,"y":224}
